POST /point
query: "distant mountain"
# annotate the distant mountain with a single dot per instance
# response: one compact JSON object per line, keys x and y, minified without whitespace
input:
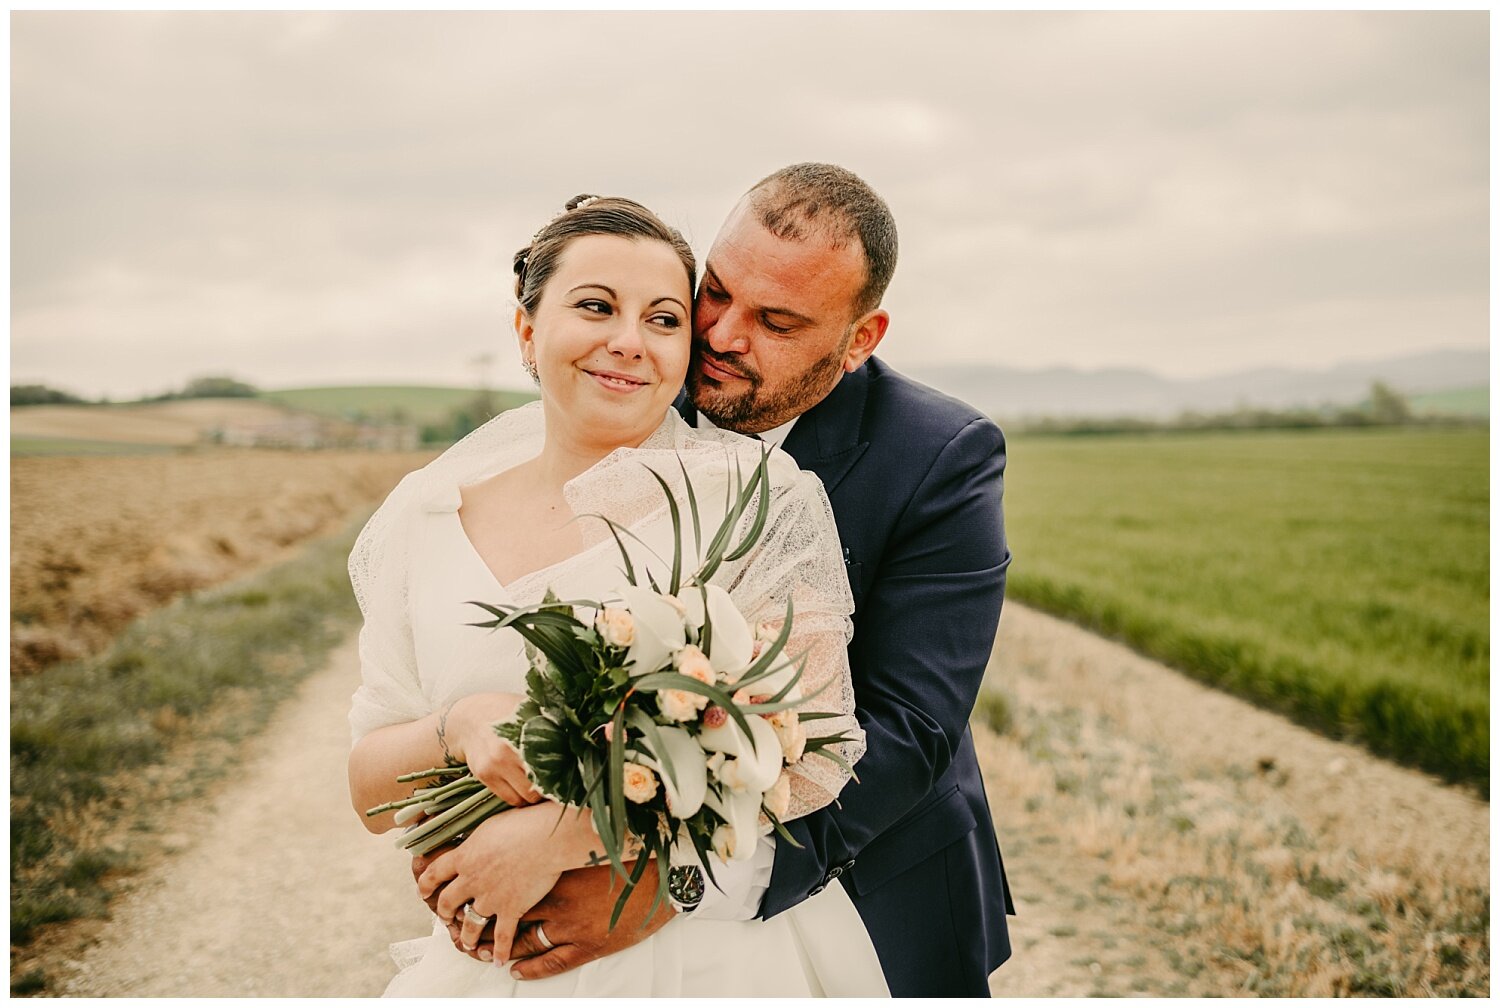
{"x":1013,"y":393}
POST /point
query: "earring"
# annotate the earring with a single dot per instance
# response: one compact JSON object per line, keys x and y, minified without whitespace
{"x":529,"y":366}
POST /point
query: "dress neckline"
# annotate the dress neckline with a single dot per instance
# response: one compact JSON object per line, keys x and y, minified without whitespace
{"x":512,"y":596}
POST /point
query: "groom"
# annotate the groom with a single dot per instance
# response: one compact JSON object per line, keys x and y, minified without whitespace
{"x":786,"y":320}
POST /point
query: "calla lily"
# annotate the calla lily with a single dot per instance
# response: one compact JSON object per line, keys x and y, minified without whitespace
{"x":658,"y":629}
{"x":741,"y":811}
{"x":687,"y":782}
{"x":756,"y":770}
{"x":691,"y":598}
{"x":732,"y":641}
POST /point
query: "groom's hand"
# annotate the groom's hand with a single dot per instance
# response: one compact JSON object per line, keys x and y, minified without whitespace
{"x":575,"y":918}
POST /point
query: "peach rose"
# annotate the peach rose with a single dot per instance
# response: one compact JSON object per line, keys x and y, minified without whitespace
{"x":779,"y":798}
{"x":639,"y":783}
{"x":680,"y":705}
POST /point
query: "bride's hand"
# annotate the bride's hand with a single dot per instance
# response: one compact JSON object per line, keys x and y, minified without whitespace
{"x":470,"y":730}
{"x":504,"y":867}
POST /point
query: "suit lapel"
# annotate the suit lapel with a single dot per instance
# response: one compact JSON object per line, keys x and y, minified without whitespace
{"x":685,"y":406}
{"x":826,"y":439}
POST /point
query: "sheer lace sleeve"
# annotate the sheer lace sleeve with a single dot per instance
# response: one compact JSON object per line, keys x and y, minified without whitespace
{"x":799,"y":558}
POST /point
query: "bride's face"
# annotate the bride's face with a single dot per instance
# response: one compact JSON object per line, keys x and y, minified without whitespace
{"x":610,"y":338}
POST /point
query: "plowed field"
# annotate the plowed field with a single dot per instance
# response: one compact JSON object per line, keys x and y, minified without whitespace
{"x":97,"y":541}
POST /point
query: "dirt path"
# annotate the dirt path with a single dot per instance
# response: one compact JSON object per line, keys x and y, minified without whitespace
{"x":276,"y":890}
{"x":1165,"y":838}
{"x":1161,"y":838}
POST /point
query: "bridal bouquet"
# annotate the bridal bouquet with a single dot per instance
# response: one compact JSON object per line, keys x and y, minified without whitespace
{"x":660,"y":709}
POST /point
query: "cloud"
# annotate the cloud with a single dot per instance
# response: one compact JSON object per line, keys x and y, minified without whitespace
{"x":326,"y":197}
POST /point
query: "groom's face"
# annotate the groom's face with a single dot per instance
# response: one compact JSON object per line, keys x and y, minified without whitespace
{"x":772,"y":325}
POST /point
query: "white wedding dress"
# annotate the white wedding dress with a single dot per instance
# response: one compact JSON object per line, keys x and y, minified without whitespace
{"x":414,"y":571}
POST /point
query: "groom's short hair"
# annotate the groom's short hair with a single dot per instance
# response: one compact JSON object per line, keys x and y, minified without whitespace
{"x":813,"y":200}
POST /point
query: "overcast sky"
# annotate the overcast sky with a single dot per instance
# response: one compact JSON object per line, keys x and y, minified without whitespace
{"x":333,"y":198}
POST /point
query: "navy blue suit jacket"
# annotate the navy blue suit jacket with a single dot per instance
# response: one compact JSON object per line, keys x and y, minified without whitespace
{"x":915,"y":481}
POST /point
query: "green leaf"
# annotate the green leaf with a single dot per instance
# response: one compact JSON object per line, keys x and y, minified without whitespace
{"x":544,"y":744}
{"x":780,"y":829}
{"x":829,"y":754}
{"x":734,"y":506}
{"x":673,"y":680}
{"x":600,"y":810}
{"x":761,"y":481}
{"x":617,"y":776}
{"x":703,"y":849}
{"x":692,"y":507}
{"x":643,"y":721}
{"x":706,"y":634}
{"x":676,"y":517}
{"x":761,"y":667}
{"x":634,"y":877}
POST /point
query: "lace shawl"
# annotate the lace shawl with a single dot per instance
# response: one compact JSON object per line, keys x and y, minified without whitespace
{"x":797,"y":557}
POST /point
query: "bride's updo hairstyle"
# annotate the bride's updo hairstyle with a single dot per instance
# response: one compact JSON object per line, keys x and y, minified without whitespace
{"x":590,"y":215}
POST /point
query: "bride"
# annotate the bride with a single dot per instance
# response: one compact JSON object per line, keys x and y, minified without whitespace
{"x":604,"y":325}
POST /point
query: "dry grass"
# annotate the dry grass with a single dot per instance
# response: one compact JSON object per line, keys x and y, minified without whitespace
{"x":1175,"y":841}
{"x":95,"y":542}
{"x":179,"y":422}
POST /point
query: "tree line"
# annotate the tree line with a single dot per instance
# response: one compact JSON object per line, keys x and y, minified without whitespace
{"x":210,"y":387}
{"x":1384,"y":407}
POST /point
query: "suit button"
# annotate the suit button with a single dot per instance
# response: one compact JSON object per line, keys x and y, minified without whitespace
{"x":816,"y":889}
{"x":849,"y":864}
{"x":835,"y":872}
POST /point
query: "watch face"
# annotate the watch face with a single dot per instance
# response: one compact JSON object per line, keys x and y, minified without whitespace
{"x":685,"y":885}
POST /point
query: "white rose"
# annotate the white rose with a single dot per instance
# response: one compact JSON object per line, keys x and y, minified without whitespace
{"x":782,"y":719}
{"x":793,"y":740}
{"x":680,"y":705}
{"x":779,"y":798}
{"x":616,"y":626}
{"x":639,"y":783}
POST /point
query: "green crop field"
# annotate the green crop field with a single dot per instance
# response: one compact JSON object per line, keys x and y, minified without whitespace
{"x":1470,"y":402}
{"x":1341,"y":577}
{"x":412,"y":403}
{"x":80,"y":446}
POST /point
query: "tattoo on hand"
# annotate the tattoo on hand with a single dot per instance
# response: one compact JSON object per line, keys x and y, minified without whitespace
{"x":442,"y":734}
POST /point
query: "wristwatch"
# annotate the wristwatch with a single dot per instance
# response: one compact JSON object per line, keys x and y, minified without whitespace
{"x":685,"y":887}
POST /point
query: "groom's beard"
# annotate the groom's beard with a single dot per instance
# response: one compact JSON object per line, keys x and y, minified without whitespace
{"x":755,"y":409}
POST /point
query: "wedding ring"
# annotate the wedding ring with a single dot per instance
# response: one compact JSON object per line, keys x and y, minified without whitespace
{"x":541,"y":936}
{"x":472,"y":916}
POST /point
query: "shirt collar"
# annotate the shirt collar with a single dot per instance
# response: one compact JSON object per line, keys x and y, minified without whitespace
{"x":776,"y":436}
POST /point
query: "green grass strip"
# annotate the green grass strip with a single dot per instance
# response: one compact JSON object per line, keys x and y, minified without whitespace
{"x":1338,"y":577}
{"x":213,"y":664}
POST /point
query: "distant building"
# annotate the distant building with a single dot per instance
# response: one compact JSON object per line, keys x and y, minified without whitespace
{"x":309,"y":433}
